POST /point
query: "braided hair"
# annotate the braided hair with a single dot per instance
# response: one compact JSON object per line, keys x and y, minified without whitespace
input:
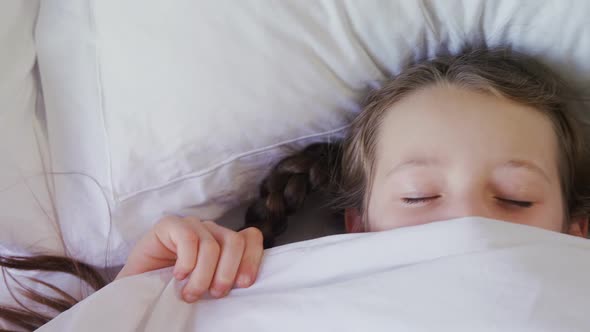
{"x":283,"y":192}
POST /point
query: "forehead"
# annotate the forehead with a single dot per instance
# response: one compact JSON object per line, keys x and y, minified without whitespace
{"x":448,"y":121}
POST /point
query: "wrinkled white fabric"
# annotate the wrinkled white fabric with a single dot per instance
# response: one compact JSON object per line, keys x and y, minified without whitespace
{"x":469,"y":274}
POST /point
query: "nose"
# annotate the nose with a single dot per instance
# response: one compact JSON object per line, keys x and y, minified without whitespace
{"x":471,"y":206}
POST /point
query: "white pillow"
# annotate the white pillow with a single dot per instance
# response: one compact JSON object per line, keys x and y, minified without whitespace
{"x":166,"y":105}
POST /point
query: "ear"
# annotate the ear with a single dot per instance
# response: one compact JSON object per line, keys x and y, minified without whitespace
{"x":353,"y":221}
{"x":578,"y":227}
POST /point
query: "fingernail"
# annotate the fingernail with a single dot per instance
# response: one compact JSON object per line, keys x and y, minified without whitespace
{"x":216,"y":292}
{"x":191,"y":298}
{"x":243,"y":280}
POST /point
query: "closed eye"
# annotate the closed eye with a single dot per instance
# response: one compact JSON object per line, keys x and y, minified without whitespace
{"x":418,"y":200}
{"x":523,"y":204}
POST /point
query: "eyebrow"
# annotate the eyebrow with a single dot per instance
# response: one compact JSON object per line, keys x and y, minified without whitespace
{"x":531,"y":166}
{"x":429,"y":162}
{"x":414,"y":162}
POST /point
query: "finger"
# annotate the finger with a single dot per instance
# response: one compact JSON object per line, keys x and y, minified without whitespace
{"x":186,"y":241}
{"x":232,"y":249}
{"x":253,"y":253}
{"x":207,"y":257}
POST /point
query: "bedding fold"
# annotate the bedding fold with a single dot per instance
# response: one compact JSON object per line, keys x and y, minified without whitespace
{"x":468,"y":274}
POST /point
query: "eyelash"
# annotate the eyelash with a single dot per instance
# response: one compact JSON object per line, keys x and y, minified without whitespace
{"x":522,"y":204}
{"x":418,"y":200}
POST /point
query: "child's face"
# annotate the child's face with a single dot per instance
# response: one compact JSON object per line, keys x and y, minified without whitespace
{"x":445,"y":152}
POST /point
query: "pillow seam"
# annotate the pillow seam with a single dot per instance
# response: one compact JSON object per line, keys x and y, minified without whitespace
{"x":227,"y":161}
{"x":100,"y":94}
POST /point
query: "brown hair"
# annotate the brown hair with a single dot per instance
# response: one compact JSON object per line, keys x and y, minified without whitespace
{"x":343,"y":170}
{"x":347,"y":167}
{"x":24,"y":316}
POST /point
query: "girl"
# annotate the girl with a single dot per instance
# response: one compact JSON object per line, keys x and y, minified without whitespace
{"x":485,"y":133}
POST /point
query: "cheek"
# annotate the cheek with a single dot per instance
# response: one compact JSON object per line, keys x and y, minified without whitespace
{"x":398,"y":219}
{"x":548,"y":215}
{"x":376,"y":212}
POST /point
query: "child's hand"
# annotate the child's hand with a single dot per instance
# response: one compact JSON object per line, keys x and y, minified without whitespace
{"x":213,"y":257}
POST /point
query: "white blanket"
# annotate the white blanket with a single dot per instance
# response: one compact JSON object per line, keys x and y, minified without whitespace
{"x":469,"y":274}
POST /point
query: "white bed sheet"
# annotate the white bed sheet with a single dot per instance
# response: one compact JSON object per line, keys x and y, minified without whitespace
{"x":470,"y":274}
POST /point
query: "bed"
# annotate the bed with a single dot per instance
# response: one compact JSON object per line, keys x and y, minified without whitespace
{"x":115,"y":113}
